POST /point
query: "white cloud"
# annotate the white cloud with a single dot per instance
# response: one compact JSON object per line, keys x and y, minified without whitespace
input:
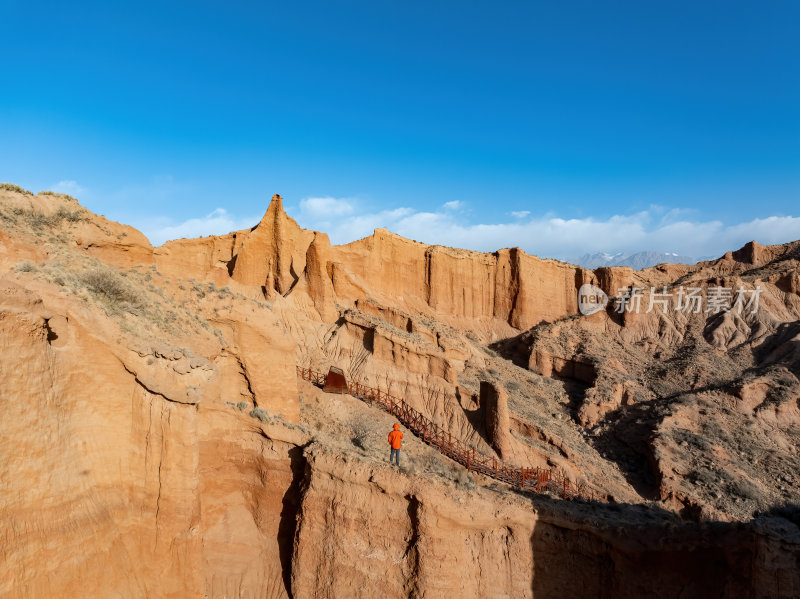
{"x":325,"y":207}
{"x":69,"y":187}
{"x":453,"y":205}
{"x":655,"y":229}
{"x":217,"y":223}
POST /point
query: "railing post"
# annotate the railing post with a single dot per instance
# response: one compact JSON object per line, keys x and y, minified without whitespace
{"x":462,"y":452}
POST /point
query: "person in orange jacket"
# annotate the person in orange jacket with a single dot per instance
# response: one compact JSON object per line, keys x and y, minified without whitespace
{"x":395,"y":442}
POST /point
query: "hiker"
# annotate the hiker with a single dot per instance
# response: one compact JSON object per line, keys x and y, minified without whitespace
{"x":395,"y":441}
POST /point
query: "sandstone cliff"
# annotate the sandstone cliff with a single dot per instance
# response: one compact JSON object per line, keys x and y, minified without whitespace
{"x":492,"y":293}
{"x":155,"y":440}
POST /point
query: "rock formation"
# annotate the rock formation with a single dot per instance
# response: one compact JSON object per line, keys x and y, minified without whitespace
{"x":155,"y":440}
{"x":494,"y":402}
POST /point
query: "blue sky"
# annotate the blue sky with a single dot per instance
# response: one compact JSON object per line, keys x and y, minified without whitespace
{"x":560,"y":127}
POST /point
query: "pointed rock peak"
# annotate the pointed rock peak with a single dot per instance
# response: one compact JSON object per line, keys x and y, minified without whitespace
{"x":275,"y":211}
{"x":276,"y":205}
{"x":276,"y":222}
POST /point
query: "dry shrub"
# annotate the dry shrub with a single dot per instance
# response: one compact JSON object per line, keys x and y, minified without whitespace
{"x":26,"y":266}
{"x":16,"y":188}
{"x":39,"y":220}
{"x":109,"y":287}
{"x":56,"y":194}
{"x":360,"y":430}
{"x":261,"y":414}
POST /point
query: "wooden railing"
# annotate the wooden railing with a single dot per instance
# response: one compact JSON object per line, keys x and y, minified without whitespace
{"x":541,"y":480}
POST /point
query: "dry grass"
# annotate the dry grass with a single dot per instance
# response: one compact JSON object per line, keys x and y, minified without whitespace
{"x":266,"y":417}
{"x":113,"y":290}
{"x":25,"y":266}
{"x":351,"y":426}
{"x":261,"y":414}
{"x":15,"y":188}
{"x":360,"y":430}
{"x":141,"y":309}
{"x":56,"y":194}
{"x":38,"y":222}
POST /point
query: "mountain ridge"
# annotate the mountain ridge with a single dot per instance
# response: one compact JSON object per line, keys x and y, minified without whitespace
{"x":156,"y":440}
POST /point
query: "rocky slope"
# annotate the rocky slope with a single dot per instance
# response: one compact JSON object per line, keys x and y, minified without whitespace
{"x":699,"y":408}
{"x":155,"y":440}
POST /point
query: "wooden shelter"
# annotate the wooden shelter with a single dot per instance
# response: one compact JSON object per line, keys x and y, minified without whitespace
{"x":335,"y":382}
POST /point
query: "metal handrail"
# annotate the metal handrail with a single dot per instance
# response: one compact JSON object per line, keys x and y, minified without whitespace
{"x":537,"y":479}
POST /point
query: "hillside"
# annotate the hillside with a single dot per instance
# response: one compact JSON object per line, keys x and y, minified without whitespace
{"x":155,"y":440}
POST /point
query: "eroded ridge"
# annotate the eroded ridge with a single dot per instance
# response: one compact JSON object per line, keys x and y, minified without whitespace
{"x":539,"y":480}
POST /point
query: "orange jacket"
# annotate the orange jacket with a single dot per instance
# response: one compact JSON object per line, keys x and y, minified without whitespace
{"x":395,"y":438}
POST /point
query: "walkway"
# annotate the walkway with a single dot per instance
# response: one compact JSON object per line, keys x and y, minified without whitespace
{"x":540,"y":480}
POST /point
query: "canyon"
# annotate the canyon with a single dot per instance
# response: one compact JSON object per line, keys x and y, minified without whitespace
{"x":156,"y":441}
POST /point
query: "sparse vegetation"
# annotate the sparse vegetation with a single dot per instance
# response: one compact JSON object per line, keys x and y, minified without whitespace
{"x":39,"y":221}
{"x":72,"y":216}
{"x":16,"y":188}
{"x":122,"y":294}
{"x":25,"y":266}
{"x":242,"y":405}
{"x":112,"y":289}
{"x":66,"y":196}
{"x":260,"y":414}
{"x":464,"y":479}
{"x":360,"y":430}
{"x":489,"y":351}
{"x":199,"y":289}
{"x":277,"y":419}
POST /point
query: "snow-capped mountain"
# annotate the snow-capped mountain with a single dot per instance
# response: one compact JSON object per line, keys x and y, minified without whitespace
{"x":636,"y":261}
